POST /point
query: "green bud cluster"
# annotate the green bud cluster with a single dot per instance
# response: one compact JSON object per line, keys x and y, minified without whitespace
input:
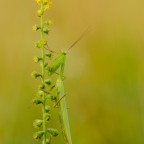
{"x":36,"y":75}
{"x":52,"y":132}
{"x":37,"y":101}
{"x":38,"y":135}
{"x":41,"y":44}
{"x":42,"y":98}
{"x":37,"y":59}
{"x":35,"y":27}
{"x":37,"y":123}
{"x":49,"y":55}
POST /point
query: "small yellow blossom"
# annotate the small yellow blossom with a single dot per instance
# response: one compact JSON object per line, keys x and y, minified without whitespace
{"x":35,"y":27}
{"x":38,"y":1}
{"x":45,"y":2}
{"x":47,"y":6}
{"x":35,"y":59}
{"x":39,"y":13}
{"x":50,"y":22}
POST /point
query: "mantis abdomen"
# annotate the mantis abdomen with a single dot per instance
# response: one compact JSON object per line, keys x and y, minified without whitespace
{"x":63,"y":111}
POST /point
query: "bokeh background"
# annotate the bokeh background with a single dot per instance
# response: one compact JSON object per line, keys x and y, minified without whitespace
{"x":104,"y":71}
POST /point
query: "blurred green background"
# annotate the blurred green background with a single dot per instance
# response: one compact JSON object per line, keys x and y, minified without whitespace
{"x":104,"y":71}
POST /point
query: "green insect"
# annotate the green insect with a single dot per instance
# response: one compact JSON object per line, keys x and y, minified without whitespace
{"x":59,"y":64}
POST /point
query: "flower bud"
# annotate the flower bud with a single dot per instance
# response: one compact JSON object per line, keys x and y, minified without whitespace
{"x":36,"y":59}
{"x":49,"y":55}
{"x":40,"y":13}
{"x":47,"y":116}
{"x":38,"y":135}
{"x":45,"y":65}
{"x":37,"y":101}
{"x":52,"y":132}
{"x":48,"y":23}
{"x":43,"y":42}
{"x":45,"y":2}
{"x":47,"y":109}
{"x":35,"y":27}
{"x":47,"y":6}
{"x":48,"y":82}
{"x":37,"y":123}
{"x":42,"y":86}
{"x":40,"y":44}
{"x":46,"y":31}
{"x":36,"y":75}
{"x":40,"y":93}
{"x":52,"y":98}
{"x":38,"y":1}
{"x":47,"y":141}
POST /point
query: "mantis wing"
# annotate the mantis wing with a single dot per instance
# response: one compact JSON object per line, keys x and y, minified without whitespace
{"x":64,"y":113}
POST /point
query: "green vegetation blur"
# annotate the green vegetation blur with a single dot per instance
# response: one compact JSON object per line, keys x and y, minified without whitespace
{"x":104,"y":71}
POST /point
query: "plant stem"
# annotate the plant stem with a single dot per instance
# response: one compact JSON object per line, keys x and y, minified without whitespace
{"x":43,"y":78}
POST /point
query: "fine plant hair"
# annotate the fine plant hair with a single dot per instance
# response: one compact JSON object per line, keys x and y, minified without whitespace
{"x":52,"y":64}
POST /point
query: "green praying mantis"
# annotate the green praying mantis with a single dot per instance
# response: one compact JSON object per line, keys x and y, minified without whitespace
{"x":50,"y":89}
{"x":60,"y":100}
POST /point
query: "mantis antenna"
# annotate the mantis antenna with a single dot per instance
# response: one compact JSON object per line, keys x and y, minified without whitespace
{"x":81,"y":36}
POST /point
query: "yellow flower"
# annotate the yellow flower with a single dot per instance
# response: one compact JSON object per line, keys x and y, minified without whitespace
{"x":35,"y":59}
{"x":35,"y":27}
{"x":39,"y":13}
{"x":50,"y":22}
{"x":38,"y":1}
{"x":46,"y":7}
{"x":45,"y":2}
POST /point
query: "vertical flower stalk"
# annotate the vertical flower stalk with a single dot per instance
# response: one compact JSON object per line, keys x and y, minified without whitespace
{"x":45,"y":133}
{"x":48,"y":90}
